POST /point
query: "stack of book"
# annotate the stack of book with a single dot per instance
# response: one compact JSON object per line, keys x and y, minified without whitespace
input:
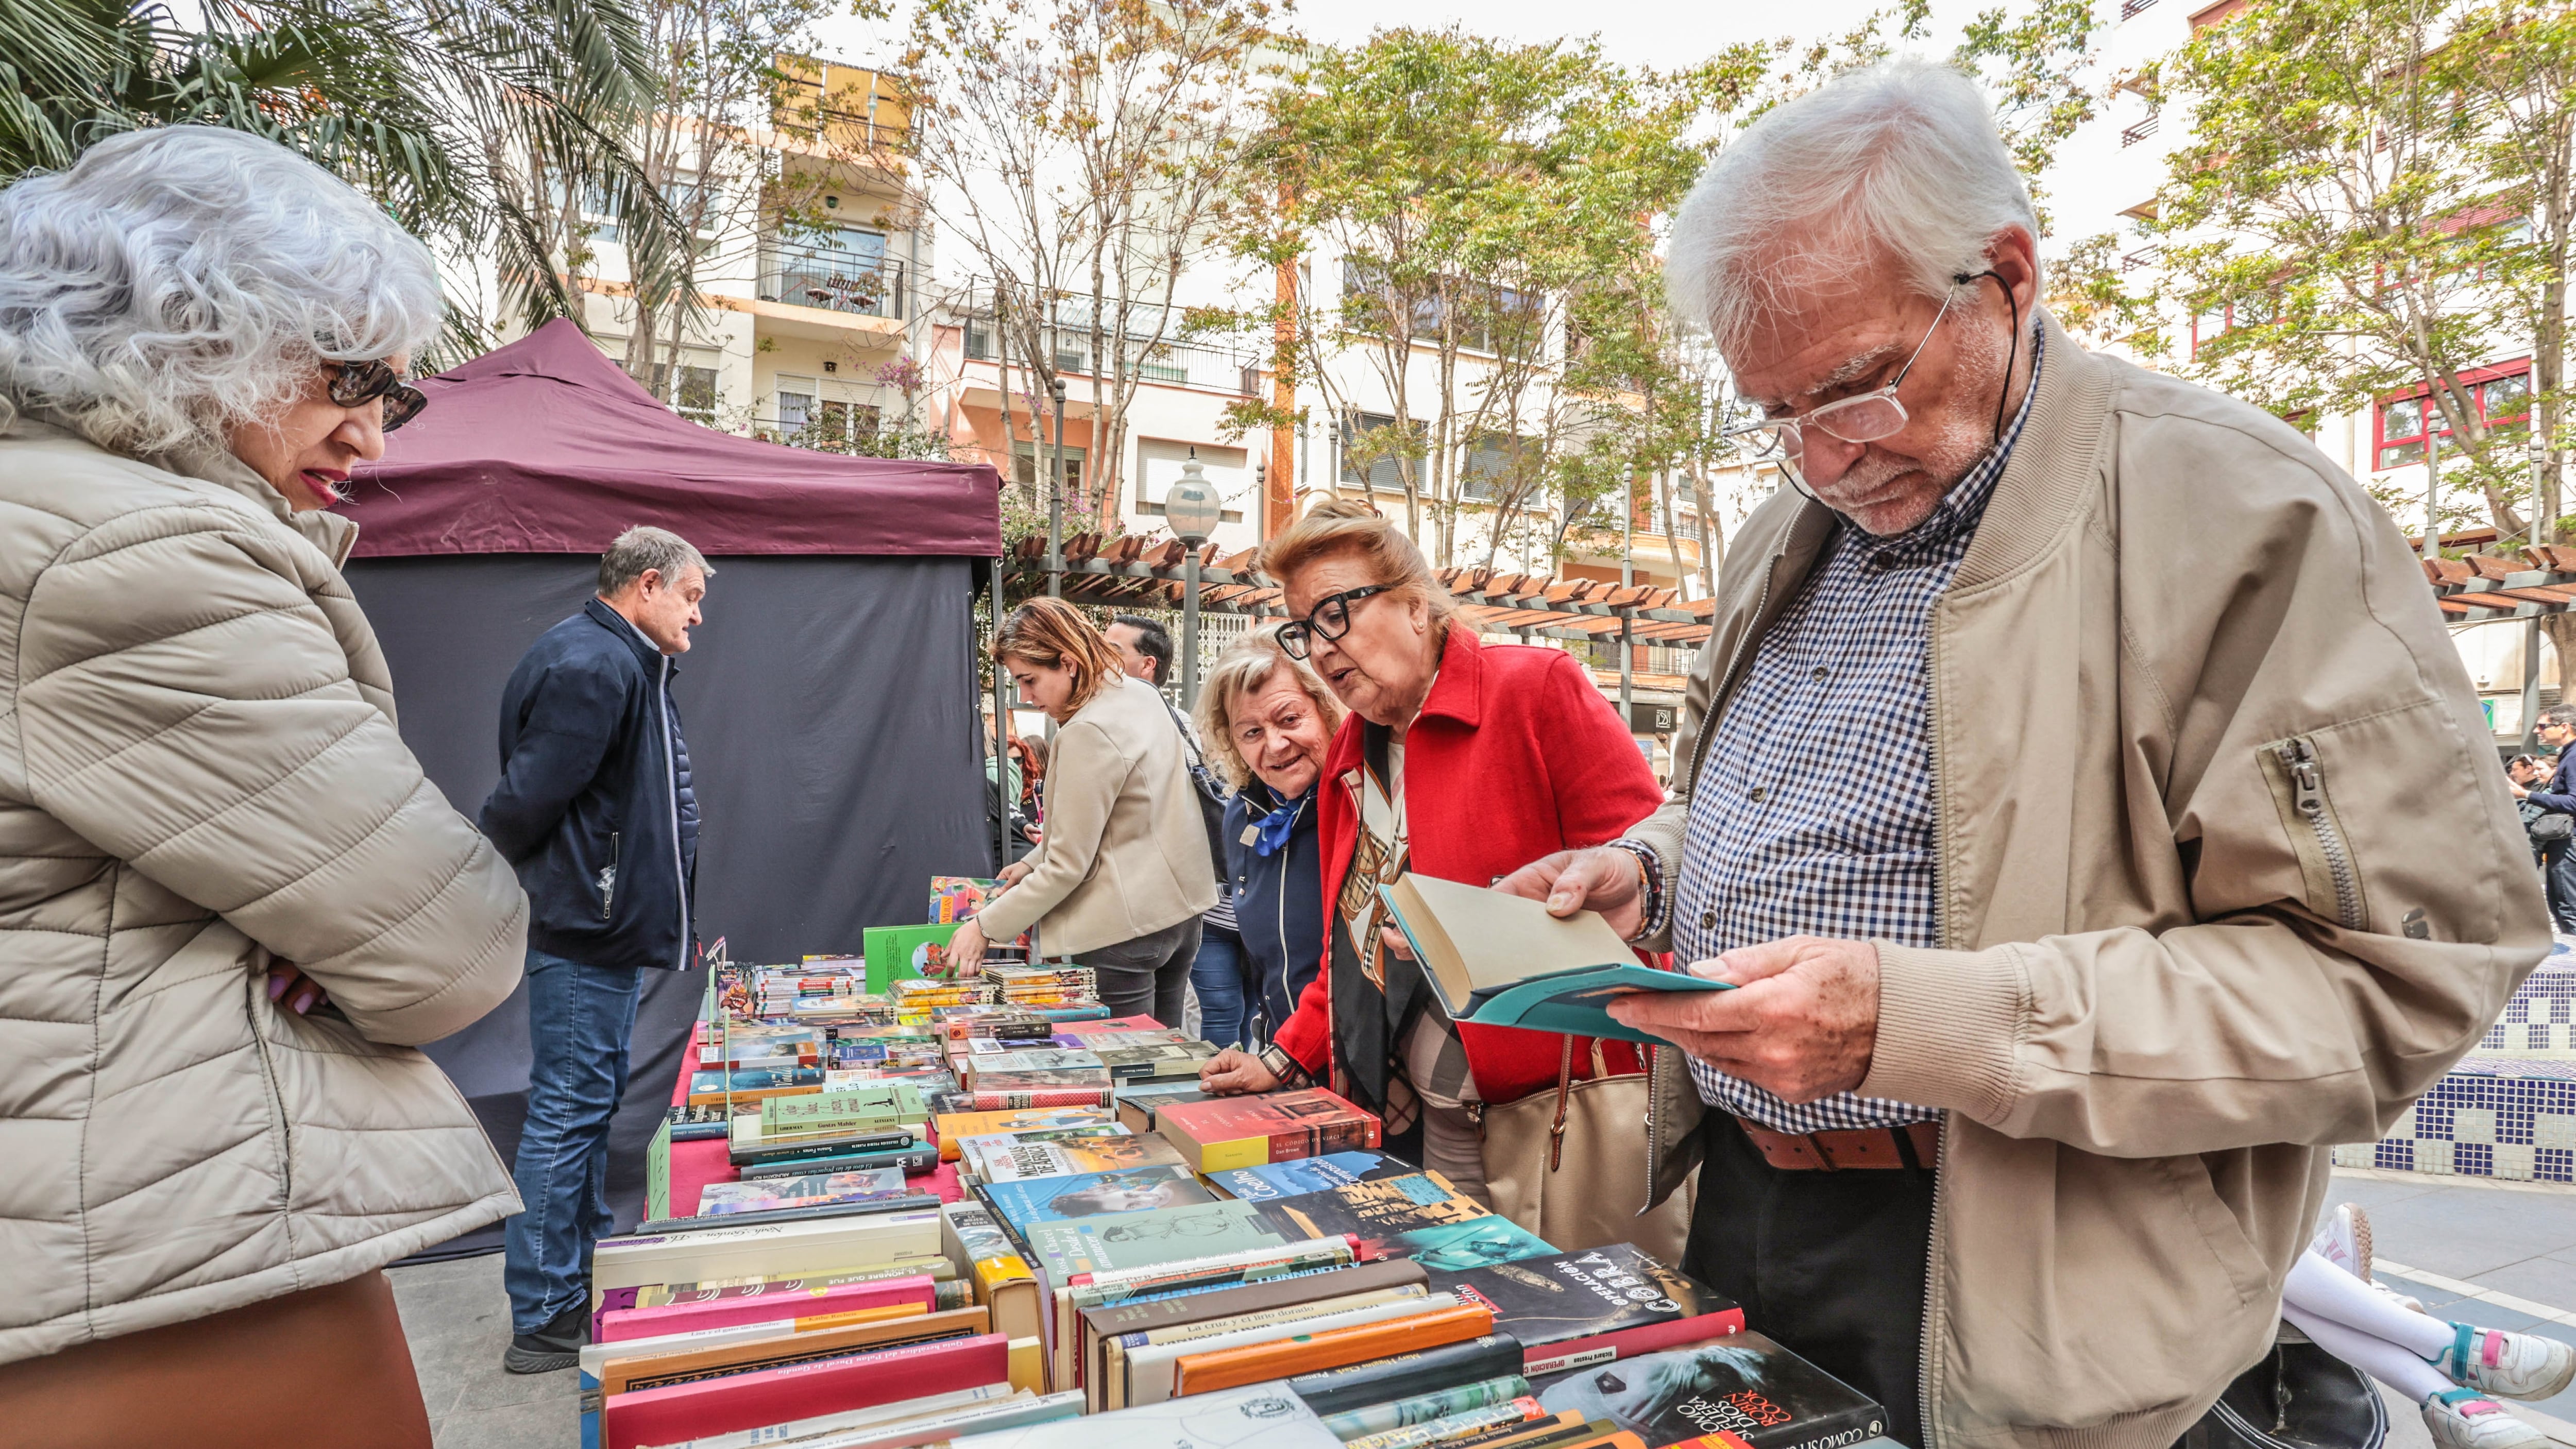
{"x":1133,"y":1261}
{"x":1046,"y":984}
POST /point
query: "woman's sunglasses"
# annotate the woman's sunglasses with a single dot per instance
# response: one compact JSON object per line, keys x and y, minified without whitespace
{"x":354,"y":384}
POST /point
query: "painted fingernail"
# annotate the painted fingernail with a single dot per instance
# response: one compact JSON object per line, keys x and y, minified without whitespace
{"x":276,"y":987}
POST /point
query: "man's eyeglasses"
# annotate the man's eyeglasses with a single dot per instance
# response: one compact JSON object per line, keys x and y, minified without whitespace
{"x":1861,"y":418}
{"x":354,"y":384}
{"x":1330,"y":620}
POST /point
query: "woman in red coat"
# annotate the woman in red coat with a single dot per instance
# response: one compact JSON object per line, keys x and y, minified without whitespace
{"x":1460,"y":760}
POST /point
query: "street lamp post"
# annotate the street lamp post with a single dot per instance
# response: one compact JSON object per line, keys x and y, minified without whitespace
{"x":1193,"y":510}
{"x":1055,"y":499}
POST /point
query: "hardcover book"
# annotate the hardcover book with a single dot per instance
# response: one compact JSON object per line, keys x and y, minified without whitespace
{"x":1094,"y":1194}
{"x":1408,"y":1375}
{"x":910,"y":1160}
{"x":1137,"y":1102}
{"x":1263,"y":1416}
{"x":1300,"y":1175}
{"x":1742,"y":1384}
{"x":1571,"y":1310}
{"x":954,"y":1127}
{"x":819,"y":1245}
{"x":1498,"y":959}
{"x":916,"y":1294}
{"x":1139,"y":1319}
{"x":981,"y":1078}
{"x":1228,"y":1132}
{"x":1007,"y":1159}
{"x":1417,"y":1216}
{"x":987,"y":1258}
{"x":1142,"y":1368}
{"x":1008,"y":1101}
{"x":655,"y":1295}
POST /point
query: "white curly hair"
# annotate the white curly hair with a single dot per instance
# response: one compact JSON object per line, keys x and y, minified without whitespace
{"x":177,"y":282}
{"x":1896,"y":164}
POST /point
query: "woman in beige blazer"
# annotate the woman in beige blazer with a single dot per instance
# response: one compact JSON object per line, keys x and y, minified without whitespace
{"x":1124,"y":874}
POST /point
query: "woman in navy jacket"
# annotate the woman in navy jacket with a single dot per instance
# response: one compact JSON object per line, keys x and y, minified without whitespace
{"x":1267,"y":720}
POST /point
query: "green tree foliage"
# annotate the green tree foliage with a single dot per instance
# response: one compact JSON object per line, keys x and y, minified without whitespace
{"x":473,"y":121}
{"x":2349,"y":217}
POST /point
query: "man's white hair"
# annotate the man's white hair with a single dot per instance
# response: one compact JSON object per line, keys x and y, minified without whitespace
{"x":176,"y":282}
{"x":1897,"y":164}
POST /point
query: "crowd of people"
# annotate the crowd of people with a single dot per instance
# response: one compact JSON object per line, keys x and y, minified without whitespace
{"x":2070,"y":917}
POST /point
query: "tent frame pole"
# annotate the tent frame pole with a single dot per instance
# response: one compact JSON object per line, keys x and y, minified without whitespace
{"x":1001,"y":736}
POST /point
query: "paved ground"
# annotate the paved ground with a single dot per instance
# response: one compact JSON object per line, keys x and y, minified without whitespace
{"x":459,"y":1322}
{"x":2496,"y":1256}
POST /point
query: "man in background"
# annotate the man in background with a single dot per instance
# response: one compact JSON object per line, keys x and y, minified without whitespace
{"x":596,"y":812}
{"x":2556,"y":795}
{"x":1220,"y":998}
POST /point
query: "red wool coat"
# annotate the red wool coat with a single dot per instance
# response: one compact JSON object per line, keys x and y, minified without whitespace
{"x":1515,"y":755}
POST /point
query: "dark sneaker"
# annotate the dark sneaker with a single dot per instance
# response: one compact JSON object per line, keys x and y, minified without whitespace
{"x":555,"y":1346}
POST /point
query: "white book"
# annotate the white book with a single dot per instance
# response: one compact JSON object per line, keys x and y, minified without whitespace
{"x":1150,"y":1367}
{"x":877,"y":1419}
{"x":944,"y":1428}
{"x":1260,"y":1416}
{"x":805,"y":1245}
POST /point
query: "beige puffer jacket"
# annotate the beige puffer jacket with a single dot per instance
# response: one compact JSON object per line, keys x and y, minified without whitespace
{"x":199,"y":774}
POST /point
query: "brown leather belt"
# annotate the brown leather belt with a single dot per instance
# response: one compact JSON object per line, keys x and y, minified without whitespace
{"x":1860,"y":1147}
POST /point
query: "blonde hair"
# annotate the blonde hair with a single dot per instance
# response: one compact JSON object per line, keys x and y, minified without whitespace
{"x":1242,"y":669}
{"x":1053,"y":633}
{"x":1347,"y":525}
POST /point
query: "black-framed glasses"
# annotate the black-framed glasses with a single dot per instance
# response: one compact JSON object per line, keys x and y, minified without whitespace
{"x":1331,"y":619}
{"x":354,"y":384}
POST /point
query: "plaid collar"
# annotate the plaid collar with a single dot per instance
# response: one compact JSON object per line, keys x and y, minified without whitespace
{"x":1956,"y":517}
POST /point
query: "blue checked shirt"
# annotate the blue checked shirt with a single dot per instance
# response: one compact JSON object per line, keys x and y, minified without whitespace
{"x":1813,"y":814}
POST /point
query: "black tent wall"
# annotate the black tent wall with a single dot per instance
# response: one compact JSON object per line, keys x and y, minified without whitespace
{"x":834,"y":731}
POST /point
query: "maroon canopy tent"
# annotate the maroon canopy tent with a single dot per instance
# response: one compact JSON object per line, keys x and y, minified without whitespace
{"x":829,"y":699}
{"x":545,"y":446}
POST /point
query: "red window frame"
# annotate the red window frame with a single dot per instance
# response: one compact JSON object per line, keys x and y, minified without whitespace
{"x":2381,"y":444}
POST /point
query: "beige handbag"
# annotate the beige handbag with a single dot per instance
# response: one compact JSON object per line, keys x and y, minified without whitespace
{"x":1571,"y":1166}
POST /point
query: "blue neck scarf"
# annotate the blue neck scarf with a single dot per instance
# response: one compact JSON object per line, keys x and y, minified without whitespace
{"x":1274,"y":828}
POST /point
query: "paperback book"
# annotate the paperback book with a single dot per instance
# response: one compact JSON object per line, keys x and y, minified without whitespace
{"x":1143,"y":1239}
{"x":719,"y":1199}
{"x":1742,"y":1384}
{"x":1417,"y":1216}
{"x":1009,"y":1160}
{"x":1262,"y":1416}
{"x":1408,"y":1375}
{"x":1497,"y":959}
{"x":1299,"y":1175}
{"x":1094,"y":1195}
{"x":1571,"y":1310}
{"x":1156,"y":1061}
{"x":1228,"y":1132}
{"x":954,"y":1127}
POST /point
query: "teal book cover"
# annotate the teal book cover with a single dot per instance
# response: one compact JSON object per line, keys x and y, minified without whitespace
{"x":1300,"y":1175}
{"x":1498,"y":959}
{"x":1094,"y":1194}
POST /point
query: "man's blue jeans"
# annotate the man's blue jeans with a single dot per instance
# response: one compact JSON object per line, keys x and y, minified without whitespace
{"x":1217,"y":972}
{"x":579,"y":1019}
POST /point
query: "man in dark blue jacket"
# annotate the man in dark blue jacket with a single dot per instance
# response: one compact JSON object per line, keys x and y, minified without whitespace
{"x":2557,"y":858}
{"x":596,"y":812}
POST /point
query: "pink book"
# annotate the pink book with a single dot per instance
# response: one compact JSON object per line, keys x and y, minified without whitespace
{"x":736,"y":1402}
{"x":617,"y":1325}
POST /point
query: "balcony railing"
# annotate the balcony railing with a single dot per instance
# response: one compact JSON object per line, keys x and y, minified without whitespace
{"x":855,"y":128}
{"x":832,"y":432}
{"x":836,"y":280}
{"x":2139,"y":132}
{"x":2142,"y":257}
{"x":2132,"y":9}
{"x":1178,"y":364}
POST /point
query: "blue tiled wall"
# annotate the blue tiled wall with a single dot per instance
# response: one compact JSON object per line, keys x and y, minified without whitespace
{"x":2508,"y":1110}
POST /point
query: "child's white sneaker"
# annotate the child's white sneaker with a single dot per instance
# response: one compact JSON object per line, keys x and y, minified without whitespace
{"x":2343,"y":1239}
{"x":2512,"y":1365}
{"x":2463,"y":1419}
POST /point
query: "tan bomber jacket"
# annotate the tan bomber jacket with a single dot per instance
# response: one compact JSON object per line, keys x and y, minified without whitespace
{"x":2228,"y":873}
{"x":199,"y":775}
{"x":1126,"y":850}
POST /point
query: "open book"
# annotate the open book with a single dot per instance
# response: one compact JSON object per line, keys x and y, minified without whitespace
{"x":1502,"y":960}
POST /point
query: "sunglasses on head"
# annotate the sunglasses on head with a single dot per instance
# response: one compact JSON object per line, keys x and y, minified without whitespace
{"x":354,"y":384}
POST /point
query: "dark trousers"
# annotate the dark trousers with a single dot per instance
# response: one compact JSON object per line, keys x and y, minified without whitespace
{"x":2558,"y":873}
{"x":1226,"y":1000}
{"x":1828,"y":1263}
{"x":1148,"y":976}
{"x":579,"y":1020}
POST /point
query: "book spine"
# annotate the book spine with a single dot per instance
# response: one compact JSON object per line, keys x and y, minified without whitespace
{"x":1454,"y":1426}
{"x":717,"y":1406}
{"x":1401,"y":1376}
{"x":1573,"y":1353}
{"x":1012,"y":1101}
{"x":1232,"y":1368}
{"x":918,"y":1291}
{"x":910,"y":1202}
{"x":1423,"y":1408}
{"x":914,"y":1163}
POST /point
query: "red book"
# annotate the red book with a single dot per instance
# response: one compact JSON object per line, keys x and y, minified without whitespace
{"x":734,"y":1402}
{"x":619,"y":1325}
{"x":1223,"y":1133}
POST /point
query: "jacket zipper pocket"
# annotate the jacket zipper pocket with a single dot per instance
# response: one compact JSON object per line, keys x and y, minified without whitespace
{"x":2304,"y":774}
{"x":608,"y":879}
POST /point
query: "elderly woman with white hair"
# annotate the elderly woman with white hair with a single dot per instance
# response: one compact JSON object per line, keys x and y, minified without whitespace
{"x":2084,"y":795}
{"x":230,"y":904}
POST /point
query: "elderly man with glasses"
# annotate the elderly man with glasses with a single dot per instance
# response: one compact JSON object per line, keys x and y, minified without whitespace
{"x":2081,"y":791}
